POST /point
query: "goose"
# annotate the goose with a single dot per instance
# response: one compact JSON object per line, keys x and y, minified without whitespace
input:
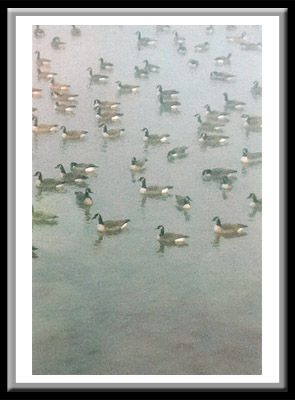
{"x":223,"y":60}
{"x":111,"y":133}
{"x":140,"y":72}
{"x":151,"y":67}
{"x":58,"y":86}
{"x":153,"y":190}
{"x":215,"y":114}
{"x":64,"y":97}
{"x":193,"y":63}
{"x":82,"y":167}
{"x":178,"y":152}
{"x":251,"y":46}
{"x":255,"y":203}
{"x":209,"y":125}
{"x":70,"y":177}
{"x":61,"y":107}
{"x":110,"y":226}
{"x":212,"y":140}
{"x":126,"y":87}
{"x":202,"y":47}
{"x":39,"y":32}
{"x":256,"y":89}
{"x":221,"y":76}
{"x":106,"y":104}
{"x":209,"y":29}
{"x":250,"y":157}
{"x":43,"y":217}
{"x":105,"y":64}
{"x":43,"y":128}
{"x":74,"y":134}
{"x":144,"y":41}
{"x":183,"y":202}
{"x":218,"y":173}
{"x":181,"y":49}
{"x":166,"y":93}
{"x":36,"y":93}
{"x":109,"y":115}
{"x":75,"y":31}
{"x":84,"y":198}
{"x":97,"y":77}
{"x":170,"y":237}
{"x":155,"y":138}
{"x":232,"y":104}
{"x":48,"y":183}
{"x":253,"y":123}
{"x":56,"y":43}
{"x":238,"y":39}
{"x":228,"y":228}
{"x":42,"y":61}
{"x":178,"y":39}
{"x":45,"y":74}
{"x":34,"y":255}
{"x":137,"y":165}
{"x":226,"y":183}
{"x":168,"y":105}
{"x":231,"y":27}
{"x":33,"y":110}
{"x":162,"y":28}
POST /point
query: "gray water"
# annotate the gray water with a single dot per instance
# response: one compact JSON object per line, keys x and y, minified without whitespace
{"x":123,"y":304}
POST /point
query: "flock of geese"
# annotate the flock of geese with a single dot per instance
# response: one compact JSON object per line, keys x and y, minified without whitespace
{"x":210,"y":129}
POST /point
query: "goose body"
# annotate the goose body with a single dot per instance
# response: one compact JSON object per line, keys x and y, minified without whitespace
{"x":181,"y":49}
{"x":183,"y":202}
{"x":151,"y":67}
{"x":178,"y":152}
{"x":171,"y":237}
{"x":212,"y":139}
{"x":155,"y":138}
{"x":73,"y":134}
{"x":75,"y":31}
{"x":56,"y":43}
{"x":64,"y":107}
{"x":97,"y":77}
{"x":140,"y":72}
{"x":202,"y":47}
{"x":251,"y":46}
{"x":218,"y":173}
{"x":255,"y":202}
{"x":193,"y":63}
{"x":144,"y":41}
{"x":221,"y":76}
{"x":112,"y":133}
{"x":166,"y":93}
{"x":58,"y":86}
{"x":105,"y":64}
{"x":110,"y":226}
{"x":126,"y":87}
{"x":209,"y":125}
{"x":84,"y":198}
{"x":71,"y":177}
{"x":137,"y":165}
{"x":223,"y":60}
{"x":48,"y":183}
{"x":82,"y":167}
{"x":43,"y":128}
{"x":168,"y":105}
{"x":153,"y":190}
{"x":228,"y":228}
{"x":178,"y":39}
{"x":43,"y":217}
{"x":106,"y":104}
{"x":45,"y":74}
{"x":108,"y":115}
{"x":36,"y":93}
{"x":232,"y":104}
{"x":250,"y":157}
{"x":64,"y":97}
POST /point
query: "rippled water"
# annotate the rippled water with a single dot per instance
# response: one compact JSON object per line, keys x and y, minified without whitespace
{"x":123,"y":304}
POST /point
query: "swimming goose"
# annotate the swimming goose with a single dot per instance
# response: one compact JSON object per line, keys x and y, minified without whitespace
{"x":43,"y":217}
{"x":106,"y":104}
{"x":166,"y":93}
{"x":97,"y":77}
{"x":238,"y":39}
{"x":42,"y":61}
{"x":137,"y":165}
{"x":226,"y":183}
{"x":178,"y":152}
{"x":43,"y":128}
{"x":110,"y":226}
{"x":108,"y":115}
{"x":45,"y":74}
{"x":144,"y":41}
{"x":178,"y":39}
{"x":111,"y":133}
{"x":74,"y":134}
{"x":75,"y":31}
{"x":153,"y":190}
{"x":250,"y":157}
{"x":84,"y":198}
{"x":228,"y":228}
{"x":210,"y":126}
{"x":255,"y":203}
{"x":201,"y":47}
{"x":33,"y":110}
{"x":215,"y":114}
{"x":151,"y":67}
{"x":221,"y":76}
{"x":223,"y":60}
{"x":34,"y":255}
{"x":56,"y":43}
{"x":170,"y":237}
{"x":39,"y":32}
{"x":183,"y":202}
{"x":253,"y":123}
{"x":48,"y":183}
{"x":155,"y":138}
{"x":218,"y":173}
{"x":251,"y":46}
{"x":105,"y":64}
{"x":232,"y":104}
{"x":168,"y":105}
{"x":58,"y":86}
{"x":36,"y":93}
{"x":126,"y":87}
{"x":82,"y":167}
{"x":64,"y":97}
{"x":162,"y":28}
{"x":181,"y":49}
{"x":70,"y":177}
{"x":140,"y":72}
{"x":209,"y":29}
{"x":193,"y":63}
{"x":61,"y":107}
{"x":256,"y":89}
{"x":212,"y":140}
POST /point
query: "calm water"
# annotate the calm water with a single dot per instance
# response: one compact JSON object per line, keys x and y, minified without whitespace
{"x":123,"y":305}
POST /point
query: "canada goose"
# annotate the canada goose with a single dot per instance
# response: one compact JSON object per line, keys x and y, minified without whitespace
{"x":226,"y":183}
{"x":43,"y":128}
{"x":64,"y":107}
{"x":82,"y":167}
{"x":255,"y":203}
{"x":111,"y":133}
{"x":212,"y":140}
{"x":140,"y":72}
{"x":36,"y":93}
{"x":232,"y":104}
{"x":256,"y":89}
{"x":64,"y":97}
{"x":45,"y":74}
{"x":56,"y":43}
{"x":106,"y":104}
{"x":178,"y":152}
{"x":193,"y":63}
{"x":34,"y":255}
{"x":151,"y":67}
{"x":98,"y":77}
{"x":155,"y":138}
{"x":215,"y":114}
{"x":153,"y":190}
{"x":209,"y":29}
{"x":108,"y":115}
{"x":201,"y":47}
{"x":181,"y":49}
{"x":166,"y":93}
{"x":252,"y":123}
{"x":39,"y":32}
{"x":126,"y":87}
{"x":42,"y":61}
{"x":170,"y":237}
{"x":250,"y":157}
{"x":162,"y":28}
{"x":168,"y":105}
{"x":218,"y":173}
{"x":228,"y":229}
{"x":75,"y":31}
{"x":48,"y":183}
{"x":70,"y":177}
{"x":84,"y":198}
{"x":58,"y":86}
{"x":221,"y":76}
{"x":178,"y":39}
{"x":223,"y":60}
{"x":105,"y":64}
{"x":183,"y":202}
{"x":33,"y":110}
{"x":110,"y":226}
{"x":74,"y":134}
{"x":144,"y":41}
{"x":238,"y":39}
{"x":137,"y":165}
{"x":43,"y":217}
{"x":251,"y":46}
{"x":210,"y":126}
